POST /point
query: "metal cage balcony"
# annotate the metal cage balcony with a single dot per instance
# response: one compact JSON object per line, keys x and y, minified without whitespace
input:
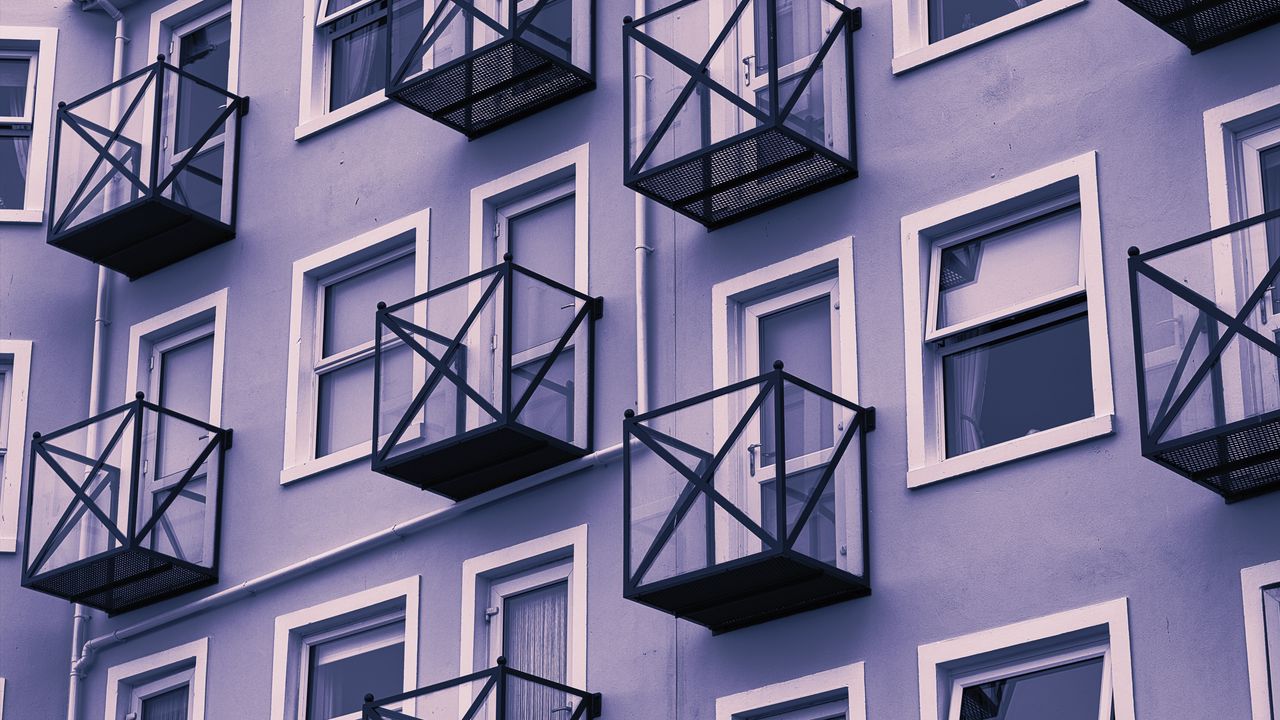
{"x":1202,"y":24}
{"x":715,"y":129}
{"x":498,"y":693}
{"x":1206,"y":319}
{"x":483,"y":381}
{"x":145,"y":170}
{"x":123,"y":508}
{"x":478,"y":65}
{"x":704,"y":538}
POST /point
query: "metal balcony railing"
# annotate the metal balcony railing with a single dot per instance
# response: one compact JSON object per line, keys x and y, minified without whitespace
{"x":478,"y":65}
{"x":497,"y":693}
{"x":483,"y":381}
{"x":716,"y":129}
{"x":1206,"y":320}
{"x":1202,"y":24}
{"x":737,"y":502}
{"x":134,"y":519}
{"x":145,"y":170}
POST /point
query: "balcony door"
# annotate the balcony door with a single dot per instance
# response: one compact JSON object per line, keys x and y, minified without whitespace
{"x":528,"y":618}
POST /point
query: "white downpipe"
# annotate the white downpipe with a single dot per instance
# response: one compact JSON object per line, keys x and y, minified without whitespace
{"x":101,"y":314}
{"x":643,"y":249}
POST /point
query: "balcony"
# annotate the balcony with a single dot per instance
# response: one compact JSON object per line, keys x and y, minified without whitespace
{"x":483,"y":381}
{"x":1206,"y":318}
{"x":131,"y":521}
{"x":478,"y":66}
{"x":145,"y":170}
{"x":498,"y":693}
{"x":1202,"y":24}
{"x":704,"y":538}
{"x":715,"y":129}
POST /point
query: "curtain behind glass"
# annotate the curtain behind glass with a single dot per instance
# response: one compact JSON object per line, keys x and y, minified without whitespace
{"x":358,"y":64}
{"x":1069,"y":692}
{"x":338,"y":686}
{"x":15,"y":148}
{"x":168,"y":705}
{"x":535,"y":637}
{"x":799,"y":336}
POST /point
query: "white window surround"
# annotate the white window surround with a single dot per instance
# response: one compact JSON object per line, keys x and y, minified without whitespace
{"x":16,"y":354}
{"x":570,"y":544}
{"x":193,"y":656}
{"x":1112,"y":615}
{"x":911,"y":46}
{"x":1,"y":698}
{"x":168,"y":18}
{"x":849,"y":678}
{"x":291,"y":628}
{"x":299,"y":448}
{"x":924,"y":466}
{"x":312,"y":115}
{"x":1252,"y":582}
{"x":208,"y":310}
{"x":487,"y":198}
{"x":45,"y":42}
{"x":1225,"y":129}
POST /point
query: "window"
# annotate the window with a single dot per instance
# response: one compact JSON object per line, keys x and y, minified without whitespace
{"x":1260,"y":587}
{"x":1076,"y":662}
{"x":327,"y":657}
{"x":1002,"y":284}
{"x":15,"y":377}
{"x":836,"y":694}
{"x":927,"y":30}
{"x":169,"y":685}
{"x":329,"y":409}
{"x":26,"y":115}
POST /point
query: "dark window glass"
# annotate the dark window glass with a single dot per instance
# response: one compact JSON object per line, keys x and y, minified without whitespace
{"x":1069,"y":692}
{"x":168,"y":705}
{"x":206,"y":54}
{"x":15,"y":149}
{"x":535,"y":639}
{"x":14,"y":73}
{"x":339,"y":678}
{"x":949,"y":17}
{"x":358,"y":53}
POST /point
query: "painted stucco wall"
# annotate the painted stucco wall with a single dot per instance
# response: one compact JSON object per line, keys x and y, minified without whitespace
{"x":1040,"y":535}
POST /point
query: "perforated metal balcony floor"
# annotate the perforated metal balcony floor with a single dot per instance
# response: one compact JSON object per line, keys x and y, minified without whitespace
{"x":122,"y":580}
{"x":742,"y":176}
{"x":492,"y":87}
{"x":143,"y":236}
{"x":753,"y":590}
{"x":1202,"y":24}
{"x":1237,"y":462}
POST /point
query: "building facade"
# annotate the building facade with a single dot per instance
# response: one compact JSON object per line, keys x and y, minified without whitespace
{"x":268,"y":495}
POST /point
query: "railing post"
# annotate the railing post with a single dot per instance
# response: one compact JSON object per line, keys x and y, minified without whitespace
{"x":139,"y":421}
{"x":377,"y":375}
{"x":500,"y":713}
{"x":157,"y":130}
{"x":507,"y":317}
{"x":779,"y":447}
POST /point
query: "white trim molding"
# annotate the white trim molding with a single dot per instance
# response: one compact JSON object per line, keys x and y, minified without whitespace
{"x":1253,"y":581}
{"x":1,"y":698}
{"x":16,"y":354}
{"x":292,"y":628}
{"x":920,"y":230}
{"x":208,"y":310}
{"x":1225,"y":127}
{"x":313,"y":117}
{"x":911,"y":46}
{"x":570,"y":545}
{"x":1111,"y":616}
{"x":850,"y":678}
{"x":299,"y":447}
{"x":44,"y":41}
{"x":168,"y":18}
{"x":192,"y":656}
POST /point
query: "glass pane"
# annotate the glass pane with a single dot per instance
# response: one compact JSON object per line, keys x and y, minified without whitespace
{"x":358,"y":59}
{"x":1270,"y":161}
{"x":535,"y":639}
{"x":15,"y":150}
{"x":799,"y":30}
{"x":168,"y":705}
{"x":14,"y":73}
{"x":997,"y":271}
{"x":329,"y":7}
{"x":186,"y":377}
{"x":1069,"y":692}
{"x":206,"y":54}
{"x":1030,"y":382}
{"x":1271,"y":618}
{"x":948,"y":17}
{"x":345,"y":405}
{"x":818,"y":540}
{"x":350,"y":304}
{"x":542,"y":240}
{"x":820,"y":710}
{"x":340,"y":677}
{"x":799,"y":336}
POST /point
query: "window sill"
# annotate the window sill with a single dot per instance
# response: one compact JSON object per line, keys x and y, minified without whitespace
{"x":21,"y":216}
{"x":936,"y":51}
{"x":345,"y":113}
{"x":1022,"y":447}
{"x":8,"y":545}
{"x":309,"y":468}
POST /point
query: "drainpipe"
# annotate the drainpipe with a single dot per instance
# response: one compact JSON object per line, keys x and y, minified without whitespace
{"x":80,"y":614}
{"x":643,"y":249}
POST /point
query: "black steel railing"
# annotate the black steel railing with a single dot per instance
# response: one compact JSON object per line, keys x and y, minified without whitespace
{"x":123,"y":508}
{"x":1202,"y":24}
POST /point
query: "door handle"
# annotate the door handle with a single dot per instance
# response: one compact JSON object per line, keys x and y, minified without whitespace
{"x":751,"y":450}
{"x":747,"y":61}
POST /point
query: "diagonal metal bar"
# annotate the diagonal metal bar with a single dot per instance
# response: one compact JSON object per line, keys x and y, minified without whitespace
{"x":480,"y":698}
{"x":1181,"y":367}
{"x":430,"y":32}
{"x":827,"y":474}
{"x":214,"y":129}
{"x":550,"y":360}
{"x":79,"y":199}
{"x":112,"y":479}
{"x":167,"y":527}
{"x":836,"y":31}
{"x":449,"y":374}
{"x":132,"y":157}
{"x":414,"y":327}
{"x":187,"y":477}
{"x":1209,"y":308}
{"x":469,"y":8}
{"x":528,"y":16}
{"x":85,"y":502}
{"x":104,"y":154}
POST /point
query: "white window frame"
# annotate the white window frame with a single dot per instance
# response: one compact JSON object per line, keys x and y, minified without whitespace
{"x":911,"y":46}
{"x":1253,"y":580}
{"x":1228,"y":129}
{"x":1,"y":698}
{"x":313,"y":99}
{"x":185,"y":664}
{"x":309,"y":275}
{"x":850,"y":678}
{"x":297,"y":630}
{"x":568,"y":550}
{"x":42,"y":42}
{"x":149,"y":335}
{"x":16,"y":355}
{"x":938,"y":682}
{"x":926,"y":462}
{"x":174,"y":17}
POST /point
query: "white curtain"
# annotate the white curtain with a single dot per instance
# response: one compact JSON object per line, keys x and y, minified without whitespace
{"x":21,"y":144}
{"x":969,"y":381}
{"x":362,"y":49}
{"x":170,"y":705}
{"x":535,"y":636}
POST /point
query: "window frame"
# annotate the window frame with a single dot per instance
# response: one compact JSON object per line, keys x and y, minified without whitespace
{"x":40,"y":43}
{"x":1037,"y":663}
{"x":15,"y":355}
{"x":343,"y":632}
{"x":129,"y":682}
{"x":926,"y":434}
{"x":519,"y":582}
{"x":336,"y":618}
{"x":1254,"y":581}
{"x":911,"y":46}
{"x":301,"y":393}
{"x":749,"y":704}
{"x":28,"y":106}
{"x":942,"y":662}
